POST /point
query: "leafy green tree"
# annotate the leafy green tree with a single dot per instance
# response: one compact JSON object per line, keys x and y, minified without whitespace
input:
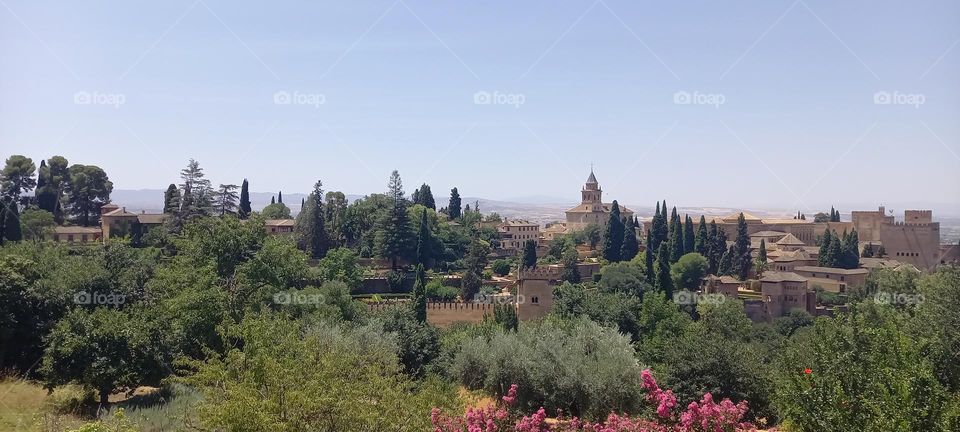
{"x":688,"y":271}
{"x":937,"y":321}
{"x":571,"y":273}
{"x":107,"y":350}
{"x":341,"y":264}
{"x":11,"y":220}
{"x":424,"y":197}
{"x":453,"y":207}
{"x":171,"y":199}
{"x":506,"y":316}
{"x":823,"y":258}
{"x":336,"y":208}
{"x":393,"y":235}
{"x":89,"y":188}
{"x":664,"y":282}
{"x":17,"y":176}
{"x":244,"y":209}
{"x":623,"y":277}
{"x":613,"y":239}
{"x":529,"y":259}
{"x":310,"y":226}
{"x":276,"y":211}
{"x":500,"y":267}
{"x":629,"y":248}
{"x":37,"y":225}
{"x":59,"y":180}
{"x":702,"y":243}
{"x":475,"y":262}
{"x":689,"y":238}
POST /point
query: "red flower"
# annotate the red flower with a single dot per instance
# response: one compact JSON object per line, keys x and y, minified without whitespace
{"x":807,"y":371}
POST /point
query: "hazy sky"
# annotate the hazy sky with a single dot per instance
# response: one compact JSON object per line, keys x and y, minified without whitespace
{"x":783,"y":109}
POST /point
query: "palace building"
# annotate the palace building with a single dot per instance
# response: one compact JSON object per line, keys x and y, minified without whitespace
{"x":592,"y":209}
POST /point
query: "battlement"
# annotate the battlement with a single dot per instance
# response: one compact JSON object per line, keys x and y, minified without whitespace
{"x":933,"y":226}
{"x":541,"y":273}
{"x":918,"y":216}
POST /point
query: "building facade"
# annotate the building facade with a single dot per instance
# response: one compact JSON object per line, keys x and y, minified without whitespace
{"x":592,"y":209}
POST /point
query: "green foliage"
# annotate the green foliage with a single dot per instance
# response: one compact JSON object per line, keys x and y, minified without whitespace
{"x":436,"y":290}
{"x":341,"y":265}
{"x":418,"y":343}
{"x":326,"y":378}
{"x":615,"y":309}
{"x":623,"y":277}
{"x":613,"y":237}
{"x":243,"y":208}
{"x":171,"y":199}
{"x":578,"y":366}
{"x":453,"y":206}
{"x":310,"y":225}
{"x":276,"y":211}
{"x":506,"y":316}
{"x":12,"y":230}
{"x":17,"y":177}
{"x":740,"y":259}
{"x":529,"y":259}
{"x":394,"y":236}
{"x":500,"y":267}
{"x":676,"y":236}
{"x":661,"y":270}
{"x":860,"y":371}
{"x":629,"y":247}
{"x":688,"y":271}
{"x":419,"y":297}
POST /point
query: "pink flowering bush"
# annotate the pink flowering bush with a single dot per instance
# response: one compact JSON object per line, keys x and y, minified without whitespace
{"x":703,"y":416}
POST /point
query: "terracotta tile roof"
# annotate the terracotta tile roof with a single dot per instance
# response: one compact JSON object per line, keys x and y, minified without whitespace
{"x":790,"y":240}
{"x":831,"y":270}
{"x":152,"y":218}
{"x":280,"y":222}
{"x":775,"y":276}
{"x":77,"y":230}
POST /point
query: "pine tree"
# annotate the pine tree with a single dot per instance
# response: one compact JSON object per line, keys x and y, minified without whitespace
{"x":741,"y":260}
{"x":823,"y":258}
{"x":629,"y":248}
{"x":726,"y":263}
{"x":196,"y":196}
{"x":420,"y":294}
{"x":676,"y":236}
{"x":171,"y":199}
{"x":394,"y":233}
{"x":529,"y":259}
{"x":310,"y":225}
{"x":662,"y":269}
{"x":689,"y":238}
{"x":227,"y":200}
{"x":11,"y":221}
{"x":613,"y":240}
{"x":702,"y":242}
{"x":453,"y":208}
{"x":245,"y":209}
{"x":423,"y":241}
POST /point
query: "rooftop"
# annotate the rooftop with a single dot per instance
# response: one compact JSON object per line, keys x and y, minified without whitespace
{"x":832,"y":270}
{"x":775,"y":276}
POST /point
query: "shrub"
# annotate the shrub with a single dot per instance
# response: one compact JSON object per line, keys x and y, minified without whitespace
{"x":500,"y":267}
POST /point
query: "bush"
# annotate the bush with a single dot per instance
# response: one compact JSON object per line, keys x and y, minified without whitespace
{"x":500,"y":267}
{"x":575,"y":365}
{"x":70,"y":399}
{"x":436,"y":290}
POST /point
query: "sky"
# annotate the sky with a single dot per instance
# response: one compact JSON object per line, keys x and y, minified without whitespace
{"x":787,"y":104}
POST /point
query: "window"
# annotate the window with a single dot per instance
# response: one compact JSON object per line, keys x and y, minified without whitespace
{"x":535,"y":300}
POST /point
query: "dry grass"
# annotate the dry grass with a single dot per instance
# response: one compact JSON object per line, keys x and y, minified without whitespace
{"x":25,"y":406}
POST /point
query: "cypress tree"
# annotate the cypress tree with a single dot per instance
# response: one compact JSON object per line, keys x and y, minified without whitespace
{"x":689,"y":238}
{"x":273,"y":199}
{"x":280,"y":197}
{"x":834,"y":253}
{"x":310,"y":225}
{"x":761,"y":263}
{"x":726,"y":263}
{"x":46,"y":195}
{"x":630,"y":248}
{"x":245,"y":210}
{"x":453,"y":208}
{"x":649,"y":253}
{"x":702,"y":242}
{"x":171,"y":199}
{"x":676,"y":236}
{"x":653,"y":245}
{"x":423,"y":241}
{"x":613,"y":240}
{"x":420,"y":295}
{"x":713,"y":252}
{"x":3,"y":221}
{"x":529,"y":254}
{"x":662,"y":269}
{"x":426,"y":197}
{"x":11,"y":224}
{"x":741,"y":259}
{"x":823,"y":258}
